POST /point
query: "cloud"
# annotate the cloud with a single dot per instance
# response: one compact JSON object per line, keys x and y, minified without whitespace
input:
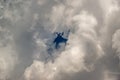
{"x":8,"y":60}
{"x":116,"y":42}
{"x":92,"y":46}
{"x":76,"y":52}
{"x":110,"y":76}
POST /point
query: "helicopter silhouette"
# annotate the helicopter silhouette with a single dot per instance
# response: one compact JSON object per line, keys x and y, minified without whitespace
{"x":60,"y":39}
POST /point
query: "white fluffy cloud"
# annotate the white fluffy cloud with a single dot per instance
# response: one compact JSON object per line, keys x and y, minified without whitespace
{"x":30,"y":26}
{"x":109,"y":6}
{"x":83,"y":45}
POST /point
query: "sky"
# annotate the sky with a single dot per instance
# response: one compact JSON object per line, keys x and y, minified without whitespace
{"x":27,"y":29}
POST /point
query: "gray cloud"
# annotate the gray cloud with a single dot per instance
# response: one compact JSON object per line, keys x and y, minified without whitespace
{"x":27,"y":27}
